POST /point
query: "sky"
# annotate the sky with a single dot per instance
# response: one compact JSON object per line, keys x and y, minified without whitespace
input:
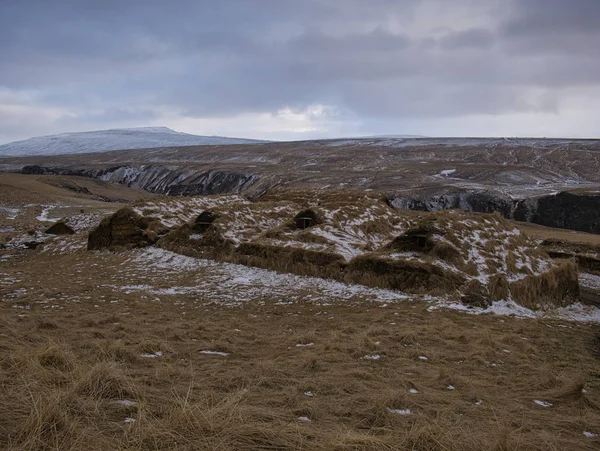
{"x":302,"y":69}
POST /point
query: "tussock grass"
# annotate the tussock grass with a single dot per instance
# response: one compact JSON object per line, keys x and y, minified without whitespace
{"x":411,"y":276}
{"x":329,"y":237}
{"x":104,"y":380}
{"x":125,"y":228}
{"x":253,"y":398}
{"x":555,"y":288}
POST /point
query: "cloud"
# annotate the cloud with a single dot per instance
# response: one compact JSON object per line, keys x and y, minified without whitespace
{"x":98,"y":64}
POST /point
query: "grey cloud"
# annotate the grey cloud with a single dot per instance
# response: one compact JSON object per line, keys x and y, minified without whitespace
{"x":472,"y":38}
{"x":114,"y":61}
{"x":554,"y":16}
{"x":539,"y":27}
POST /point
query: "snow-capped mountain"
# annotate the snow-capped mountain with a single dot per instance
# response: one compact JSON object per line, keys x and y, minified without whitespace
{"x":117,"y":139}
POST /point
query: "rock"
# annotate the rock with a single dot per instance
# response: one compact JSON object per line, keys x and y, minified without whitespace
{"x":476,"y":300}
{"x":566,"y":210}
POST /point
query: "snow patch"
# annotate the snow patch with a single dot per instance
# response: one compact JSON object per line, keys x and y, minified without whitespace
{"x":372,"y":357}
{"x":447,"y":172}
{"x":221,"y":353}
{"x":152,"y":355}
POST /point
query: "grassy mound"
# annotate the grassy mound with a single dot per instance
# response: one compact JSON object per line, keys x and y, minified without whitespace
{"x":354,"y":238}
{"x":125,"y":228}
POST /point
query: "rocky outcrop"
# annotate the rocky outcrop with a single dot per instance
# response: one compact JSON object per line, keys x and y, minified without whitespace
{"x":169,"y":180}
{"x":478,"y":201}
{"x":563,"y":210}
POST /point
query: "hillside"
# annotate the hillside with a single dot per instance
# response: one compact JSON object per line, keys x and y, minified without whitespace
{"x":117,"y":139}
{"x":552,"y":182}
{"x":244,"y":324}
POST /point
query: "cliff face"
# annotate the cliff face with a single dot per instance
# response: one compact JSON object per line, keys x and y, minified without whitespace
{"x":176,"y":181}
{"x":478,"y":201}
{"x":563,"y":210}
{"x":576,"y":211}
{"x":170,"y":180}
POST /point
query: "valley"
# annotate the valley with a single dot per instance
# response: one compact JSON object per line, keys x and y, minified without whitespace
{"x":549,"y":182}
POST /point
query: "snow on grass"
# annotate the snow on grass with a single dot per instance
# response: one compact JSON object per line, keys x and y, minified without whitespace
{"x":342,"y":243}
{"x":304,"y":345}
{"x":220,"y":353}
{"x":152,"y":355}
{"x":590,"y":434}
{"x":422,"y":357}
{"x":65,"y":245}
{"x":414,"y":391}
{"x":10,"y":212}
{"x":129,"y":420}
{"x":85,"y":221}
{"x":574,"y":312}
{"x":309,"y":394}
{"x":6,"y":279}
{"x":231,"y":283}
{"x":447,"y":172}
{"x":358,"y":228}
{"x":126,"y":402}
{"x":43,"y":217}
{"x":213,"y":282}
{"x":248,"y":221}
{"x":542,"y":403}
{"x":304,"y":419}
{"x":400,"y":411}
{"x":372,"y":357}
{"x":589,"y":281}
{"x":173,"y":212}
{"x":22,"y":241}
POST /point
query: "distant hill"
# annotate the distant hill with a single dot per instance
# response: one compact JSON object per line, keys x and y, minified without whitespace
{"x":117,"y":139}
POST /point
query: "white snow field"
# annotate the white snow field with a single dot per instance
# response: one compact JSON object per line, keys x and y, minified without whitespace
{"x":117,"y":139}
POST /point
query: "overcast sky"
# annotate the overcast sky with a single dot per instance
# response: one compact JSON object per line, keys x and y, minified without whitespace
{"x":280,"y":69}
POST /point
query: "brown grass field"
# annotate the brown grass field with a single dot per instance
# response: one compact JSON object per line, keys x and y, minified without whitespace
{"x":67,"y":361}
{"x":76,"y":328}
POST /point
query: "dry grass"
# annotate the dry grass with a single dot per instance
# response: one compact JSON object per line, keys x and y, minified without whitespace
{"x":67,"y":361}
{"x":63,"y":369}
{"x":58,"y":393}
{"x":444,"y":235}
{"x":125,"y":228}
{"x":559,"y":287}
